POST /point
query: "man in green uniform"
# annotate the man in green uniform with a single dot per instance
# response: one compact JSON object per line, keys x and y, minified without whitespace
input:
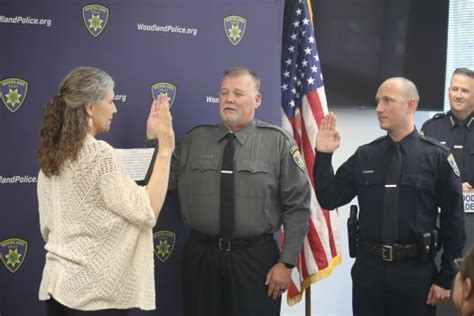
{"x":238,"y":182}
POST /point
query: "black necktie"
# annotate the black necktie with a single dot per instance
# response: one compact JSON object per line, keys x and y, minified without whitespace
{"x":391,"y":197}
{"x":458,"y":147}
{"x":227,"y":189}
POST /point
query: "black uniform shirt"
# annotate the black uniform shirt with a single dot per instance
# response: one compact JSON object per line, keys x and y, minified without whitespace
{"x":446,"y":128}
{"x":427,"y":181}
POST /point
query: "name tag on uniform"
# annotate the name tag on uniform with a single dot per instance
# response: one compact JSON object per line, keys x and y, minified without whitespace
{"x":390,"y":185}
{"x":443,"y":142}
{"x":457,"y":146}
{"x":367,"y":171}
{"x":227,"y":171}
{"x":468,"y":199}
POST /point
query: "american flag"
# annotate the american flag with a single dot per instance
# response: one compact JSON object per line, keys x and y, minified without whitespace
{"x":303,"y":107}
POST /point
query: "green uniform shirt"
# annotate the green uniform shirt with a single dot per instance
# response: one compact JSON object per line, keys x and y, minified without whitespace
{"x":270,"y":182}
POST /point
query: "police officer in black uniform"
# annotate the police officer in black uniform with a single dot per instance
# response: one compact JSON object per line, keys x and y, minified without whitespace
{"x":394,"y":272}
{"x":455,"y":128}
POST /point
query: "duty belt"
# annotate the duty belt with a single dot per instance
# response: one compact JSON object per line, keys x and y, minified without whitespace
{"x":229,"y":245}
{"x":394,"y":252}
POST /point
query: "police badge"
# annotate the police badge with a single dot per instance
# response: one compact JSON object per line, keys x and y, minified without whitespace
{"x":164,"y":88}
{"x":234,"y":27}
{"x":164,"y":241}
{"x":13,"y":252}
{"x":13,"y":93}
{"x":95,"y":18}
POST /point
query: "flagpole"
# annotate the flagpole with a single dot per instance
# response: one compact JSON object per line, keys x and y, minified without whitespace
{"x":307,"y":299}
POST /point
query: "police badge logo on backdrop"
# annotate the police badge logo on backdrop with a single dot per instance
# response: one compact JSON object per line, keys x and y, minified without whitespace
{"x":235,"y":27}
{"x":166,"y":89}
{"x":13,"y":93}
{"x":95,"y":18}
{"x":164,"y":242}
{"x":13,"y":252}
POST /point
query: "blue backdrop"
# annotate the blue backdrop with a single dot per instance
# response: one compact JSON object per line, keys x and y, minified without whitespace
{"x":179,"y":47}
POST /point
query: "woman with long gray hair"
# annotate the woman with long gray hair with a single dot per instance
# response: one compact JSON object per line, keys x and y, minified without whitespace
{"x":95,"y":220}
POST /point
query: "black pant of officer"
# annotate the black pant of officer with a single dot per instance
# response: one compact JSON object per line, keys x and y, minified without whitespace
{"x":217,"y":283}
{"x":400,"y":288}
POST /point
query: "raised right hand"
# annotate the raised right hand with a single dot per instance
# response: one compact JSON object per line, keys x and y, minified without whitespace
{"x":152,"y":122}
{"x":328,"y":138}
{"x":160,"y":121}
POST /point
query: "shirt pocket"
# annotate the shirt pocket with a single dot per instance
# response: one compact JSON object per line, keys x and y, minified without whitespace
{"x":252,"y":178}
{"x":419,"y":183}
{"x":370,"y":178}
{"x":253,"y":195}
{"x":204,"y":176}
{"x":371,"y":186}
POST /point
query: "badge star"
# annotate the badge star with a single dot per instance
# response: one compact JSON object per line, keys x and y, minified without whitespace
{"x":13,"y":97}
{"x":95,"y":22}
{"x":234,"y":32}
{"x":13,"y":257}
{"x":163,"y":248}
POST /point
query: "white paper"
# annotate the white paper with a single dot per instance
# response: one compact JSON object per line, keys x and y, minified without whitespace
{"x":135,"y":161}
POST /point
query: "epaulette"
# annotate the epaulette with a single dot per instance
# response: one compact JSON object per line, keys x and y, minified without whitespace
{"x":361,"y":147}
{"x":377,"y":140}
{"x":276,"y":128}
{"x":435,"y":142}
{"x":201,"y":125}
{"x":429,"y":122}
{"x":439,"y":115}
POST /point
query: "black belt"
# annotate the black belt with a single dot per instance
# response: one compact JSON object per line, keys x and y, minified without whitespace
{"x":395,"y":252}
{"x":229,"y":245}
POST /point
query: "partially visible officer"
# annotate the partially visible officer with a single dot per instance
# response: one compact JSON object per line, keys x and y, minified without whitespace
{"x":455,"y":128}
{"x":394,"y":272}
{"x":231,"y":262}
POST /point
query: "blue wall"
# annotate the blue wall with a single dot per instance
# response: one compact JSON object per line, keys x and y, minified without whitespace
{"x":183,"y":43}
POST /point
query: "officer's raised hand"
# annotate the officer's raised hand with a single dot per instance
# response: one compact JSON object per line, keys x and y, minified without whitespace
{"x":328,"y":138}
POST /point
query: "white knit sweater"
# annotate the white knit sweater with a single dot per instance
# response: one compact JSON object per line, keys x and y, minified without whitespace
{"x":97,"y":225}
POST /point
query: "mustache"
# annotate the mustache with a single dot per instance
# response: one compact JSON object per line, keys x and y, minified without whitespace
{"x":228,"y":107}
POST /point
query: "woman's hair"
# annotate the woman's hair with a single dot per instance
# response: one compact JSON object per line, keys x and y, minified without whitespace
{"x":65,"y":123}
{"x":466,"y":269}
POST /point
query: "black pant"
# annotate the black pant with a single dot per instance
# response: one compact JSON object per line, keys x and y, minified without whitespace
{"x":392,"y":288}
{"x":217,"y":282}
{"x":54,"y":308}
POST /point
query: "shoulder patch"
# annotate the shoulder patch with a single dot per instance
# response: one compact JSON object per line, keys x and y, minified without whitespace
{"x":201,"y":125}
{"x":295,"y":153}
{"x":453,"y":165}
